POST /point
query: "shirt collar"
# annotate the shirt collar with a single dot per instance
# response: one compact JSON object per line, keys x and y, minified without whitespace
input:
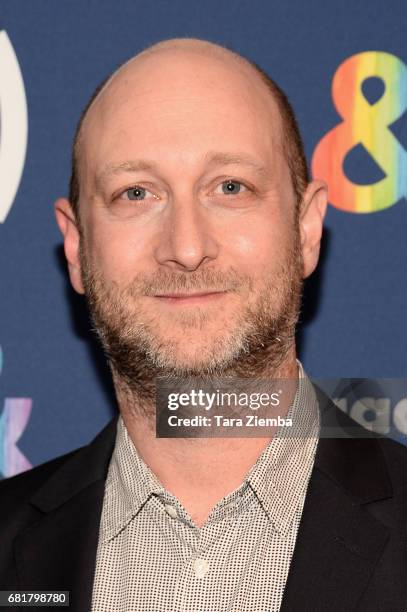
{"x":281,"y":473}
{"x":278,"y":478}
{"x":129,"y":485}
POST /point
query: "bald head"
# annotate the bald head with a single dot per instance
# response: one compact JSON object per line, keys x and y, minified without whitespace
{"x":174,"y":49}
{"x":191,"y":69}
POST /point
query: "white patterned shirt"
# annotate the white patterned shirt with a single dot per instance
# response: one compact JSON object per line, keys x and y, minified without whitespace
{"x":151,"y":556}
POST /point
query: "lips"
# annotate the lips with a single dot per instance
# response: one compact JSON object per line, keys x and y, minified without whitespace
{"x":184,"y":298}
{"x":188,"y":295}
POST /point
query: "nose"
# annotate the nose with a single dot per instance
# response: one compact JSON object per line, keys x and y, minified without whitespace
{"x":186,"y":240}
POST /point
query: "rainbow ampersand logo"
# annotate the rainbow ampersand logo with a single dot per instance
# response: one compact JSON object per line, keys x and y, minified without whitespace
{"x":366,"y":124}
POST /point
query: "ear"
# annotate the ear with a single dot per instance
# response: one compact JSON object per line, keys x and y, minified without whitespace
{"x":68,"y":225}
{"x":313,"y":210}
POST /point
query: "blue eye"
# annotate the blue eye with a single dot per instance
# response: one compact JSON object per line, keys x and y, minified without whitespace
{"x":232,"y":187}
{"x":136,"y":193}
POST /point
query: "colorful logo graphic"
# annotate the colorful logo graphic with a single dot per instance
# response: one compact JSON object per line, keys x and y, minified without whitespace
{"x":368,"y":125}
{"x":14,"y":125}
{"x":13,"y":421}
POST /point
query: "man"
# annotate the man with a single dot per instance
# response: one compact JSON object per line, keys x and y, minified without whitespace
{"x":190,"y":227}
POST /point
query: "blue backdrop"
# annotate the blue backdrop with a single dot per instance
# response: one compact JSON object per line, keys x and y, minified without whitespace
{"x":55,"y":391}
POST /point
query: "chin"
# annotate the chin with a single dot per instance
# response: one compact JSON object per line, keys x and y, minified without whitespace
{"x":198,"y":354}
{"x":186,"y":360}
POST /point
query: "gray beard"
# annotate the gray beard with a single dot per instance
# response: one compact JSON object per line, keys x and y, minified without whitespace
{"x":266,"y":332}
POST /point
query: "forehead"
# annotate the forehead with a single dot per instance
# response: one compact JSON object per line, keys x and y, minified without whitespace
{"x":177,"y":103}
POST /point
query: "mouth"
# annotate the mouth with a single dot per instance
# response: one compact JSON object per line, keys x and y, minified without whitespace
{"x":190,"y":298}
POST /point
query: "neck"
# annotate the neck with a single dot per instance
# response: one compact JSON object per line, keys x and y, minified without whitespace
{"x":198,"y":471}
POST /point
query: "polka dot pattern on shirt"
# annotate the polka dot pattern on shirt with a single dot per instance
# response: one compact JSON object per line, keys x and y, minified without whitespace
{"x":151,"y":556}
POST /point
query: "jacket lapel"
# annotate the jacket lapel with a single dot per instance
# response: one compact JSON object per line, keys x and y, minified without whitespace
{"x":57,"y":551}
{"x":339,"y":541}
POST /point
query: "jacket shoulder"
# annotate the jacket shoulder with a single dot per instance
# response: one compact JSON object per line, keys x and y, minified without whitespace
{"x":51,"y":483}
{"x":16,"y":511}
{"x":18,"y":489}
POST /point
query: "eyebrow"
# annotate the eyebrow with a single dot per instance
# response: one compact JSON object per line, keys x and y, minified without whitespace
{"x":243,"y":159}
{"x":211,"y":159}
{"x":109,"y":170}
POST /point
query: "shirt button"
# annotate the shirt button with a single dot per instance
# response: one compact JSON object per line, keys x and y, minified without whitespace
{"x":201,"y":567}
{"x":171,"y":511}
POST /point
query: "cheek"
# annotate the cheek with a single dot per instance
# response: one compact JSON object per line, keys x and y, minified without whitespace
{"x":245,"y":245}
{"x":119,"y":251}
{"x":259,"y":247}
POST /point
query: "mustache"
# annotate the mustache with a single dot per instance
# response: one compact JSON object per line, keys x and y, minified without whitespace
{"x":164,"y":281}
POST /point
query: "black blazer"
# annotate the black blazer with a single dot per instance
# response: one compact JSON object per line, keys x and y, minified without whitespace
{"x":351,"y":549}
